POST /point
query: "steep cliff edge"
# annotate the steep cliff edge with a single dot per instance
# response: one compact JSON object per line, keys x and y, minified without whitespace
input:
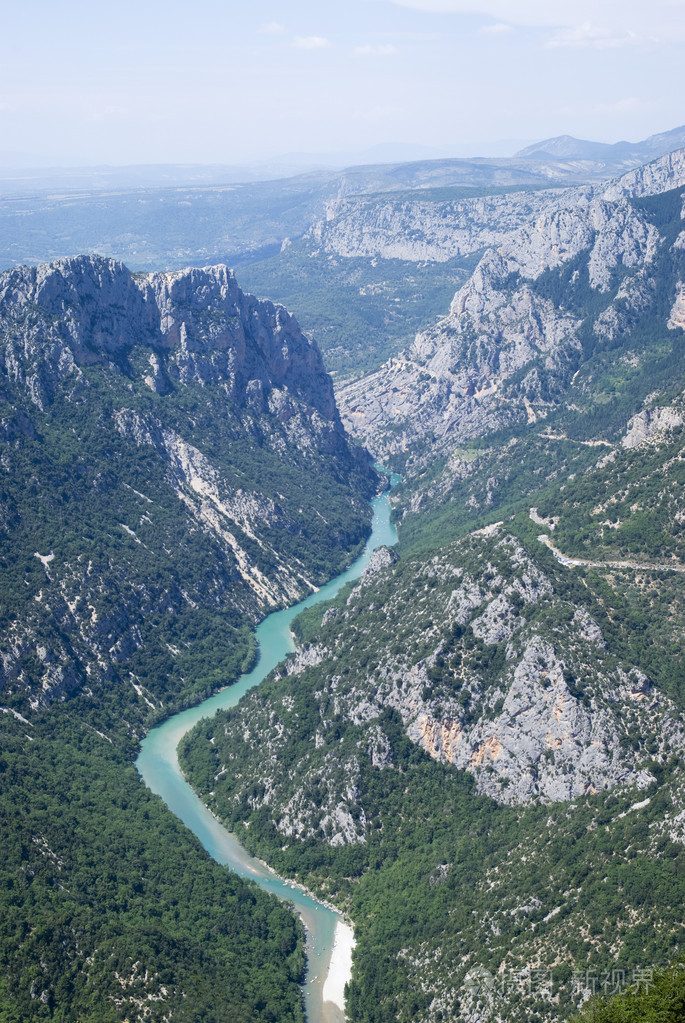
{"x":420,"y":228}
{"x":572,"y":280}
{"x":195,"y":326}
{"x":167,"y":444}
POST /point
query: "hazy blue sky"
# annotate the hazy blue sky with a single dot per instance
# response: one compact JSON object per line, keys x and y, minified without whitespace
{"x":208,"y":81}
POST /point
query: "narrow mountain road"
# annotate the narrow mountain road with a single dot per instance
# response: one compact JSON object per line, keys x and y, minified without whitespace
{"x":644,"y":566}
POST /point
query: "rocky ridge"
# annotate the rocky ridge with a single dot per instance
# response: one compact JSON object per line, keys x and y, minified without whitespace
{"x":174,"y":431}
{"x":651,"y":424}
{"x":510,"y":344}
{"x":195,"y":325}
{"x":423,"y":228}
{"x":419,"y":229}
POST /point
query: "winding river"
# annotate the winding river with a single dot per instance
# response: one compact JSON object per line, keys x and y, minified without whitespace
{"x":159,"y":768}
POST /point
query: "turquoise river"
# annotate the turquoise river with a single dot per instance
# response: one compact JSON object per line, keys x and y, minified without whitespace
{"x":159,"y":768}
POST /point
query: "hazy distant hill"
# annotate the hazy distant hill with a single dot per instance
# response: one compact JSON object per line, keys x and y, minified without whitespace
{"x":168,"y":217}
{"x":565,"y":147}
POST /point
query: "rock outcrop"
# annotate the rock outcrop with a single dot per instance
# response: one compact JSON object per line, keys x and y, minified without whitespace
{"x":652,"y":179}
{"x":651,"y":424}
{"x":486,"y":668}
{"x":195,"y":326}
{"x":510,"y":344}
{"x":175,"y":433}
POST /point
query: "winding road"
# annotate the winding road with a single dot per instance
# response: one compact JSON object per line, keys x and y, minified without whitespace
{"x":642,"y":566}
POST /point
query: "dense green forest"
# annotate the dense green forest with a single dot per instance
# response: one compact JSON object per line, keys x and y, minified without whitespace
{"x":108,"y":904}
{"x":655,"y":996}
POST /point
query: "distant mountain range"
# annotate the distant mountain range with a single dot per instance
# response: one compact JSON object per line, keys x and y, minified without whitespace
{"x":166,"y":217}
{"x":566,"y":147}
{"x":410,"y":164}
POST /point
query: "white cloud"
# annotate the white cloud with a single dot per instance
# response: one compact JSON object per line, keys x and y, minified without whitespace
{"x":500,"y":28}
{"x":660,"y":19}
{"x":273,"y":28}
{"x":375,"y":50}
{"x":311,"y":43}
{"x":589,"y":36}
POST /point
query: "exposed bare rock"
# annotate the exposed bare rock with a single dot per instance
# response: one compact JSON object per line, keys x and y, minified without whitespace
{"x":677,"y":318}
{"x":415,"y":229}
{"x":658,"y":176}
{"x":196,"y":324}
{"x":650,"y":424}
{"x":421,"y":229}
{"x":305,"y":657}
{"x":146,"y":415}
{"x":505,"y":350}
{"x":379,"y":750}
{"x":381,"y":558}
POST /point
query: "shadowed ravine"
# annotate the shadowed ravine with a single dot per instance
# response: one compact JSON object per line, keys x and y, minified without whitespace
{"x":159,"y":768}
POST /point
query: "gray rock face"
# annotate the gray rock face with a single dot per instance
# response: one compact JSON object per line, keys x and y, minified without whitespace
{"x":381,"y":558}
{"x":456,"y":379}
{"x":544,"y":743}
{"x":416,"y":230}
{"x":654,"y":178}
{"x":197,"y":324}
{"x":676,"y":320}
{"x":148,"y":415}
{"x":651,"y":423}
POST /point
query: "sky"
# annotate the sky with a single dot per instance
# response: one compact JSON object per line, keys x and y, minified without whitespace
{"x":215,"y":81}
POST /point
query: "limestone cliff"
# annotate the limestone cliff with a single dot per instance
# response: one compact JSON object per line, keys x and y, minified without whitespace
{"x":166,"y":441}
{"x":418,"y":228}
{"x":512,"y":341}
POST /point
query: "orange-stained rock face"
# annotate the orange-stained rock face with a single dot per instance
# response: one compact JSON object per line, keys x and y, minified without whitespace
{"x":440,"y":738}
{"x":491,"y":748}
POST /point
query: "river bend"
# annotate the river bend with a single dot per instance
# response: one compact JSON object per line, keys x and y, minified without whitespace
{"x":159,"y":768}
